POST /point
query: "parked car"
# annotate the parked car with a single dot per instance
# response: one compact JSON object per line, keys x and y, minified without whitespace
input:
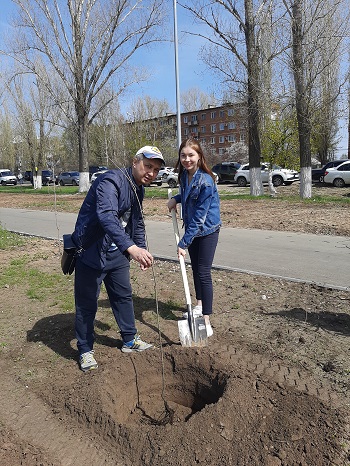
{"x":279,"y":175}
{"x":7,"y":177}
{"x":96,"y":168}
{"x":96,"y":174}
{"x":68,"y":178}
{"x":47,"y":177}
{"x":28,"y":175}
{"x":173,"y":179}
{"x":317,"y":174}
{"x":338,"y":176}
{"x":164,"y":172}
{"x":226,"y":171}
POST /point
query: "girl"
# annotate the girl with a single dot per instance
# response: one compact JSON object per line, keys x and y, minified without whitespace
{"x":201,"y":215}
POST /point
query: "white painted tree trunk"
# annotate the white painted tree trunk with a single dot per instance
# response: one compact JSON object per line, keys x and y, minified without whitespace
{"x":272,"y":189}
{"x":84,"y":182}
{"x":305,"y":183}
{"x":256,"y":186}
{"x":37,"y":182}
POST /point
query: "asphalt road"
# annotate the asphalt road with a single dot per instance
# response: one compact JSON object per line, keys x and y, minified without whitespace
{"x":319,"y":259}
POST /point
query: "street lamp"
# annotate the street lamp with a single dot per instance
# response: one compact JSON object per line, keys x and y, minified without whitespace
{"x":177,"y":81}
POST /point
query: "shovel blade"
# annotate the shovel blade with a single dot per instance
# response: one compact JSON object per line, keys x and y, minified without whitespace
{"x":193,"y":332}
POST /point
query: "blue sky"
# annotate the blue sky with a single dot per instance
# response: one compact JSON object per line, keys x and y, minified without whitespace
{"x":161,"y":62}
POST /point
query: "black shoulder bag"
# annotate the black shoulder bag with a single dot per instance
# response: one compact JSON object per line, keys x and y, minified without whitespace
{"x":69,"y":256}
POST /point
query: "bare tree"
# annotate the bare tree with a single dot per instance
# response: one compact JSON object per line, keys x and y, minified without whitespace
{"x":315,"y":50}
{"x":233,"y":31}
{"x":86,"y":44}
{"x":194,"y":99}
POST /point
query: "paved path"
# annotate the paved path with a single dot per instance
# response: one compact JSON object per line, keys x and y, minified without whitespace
{"x":320,"y":259}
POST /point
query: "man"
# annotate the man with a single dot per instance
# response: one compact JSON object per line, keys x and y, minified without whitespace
{"x":110,"y":231}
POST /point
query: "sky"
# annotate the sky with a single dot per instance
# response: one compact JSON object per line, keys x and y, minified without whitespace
{"x":161,"y":64}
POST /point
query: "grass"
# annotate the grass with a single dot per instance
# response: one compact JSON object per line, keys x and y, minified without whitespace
{"x":9,"y":240}
{"x":51,"y":288}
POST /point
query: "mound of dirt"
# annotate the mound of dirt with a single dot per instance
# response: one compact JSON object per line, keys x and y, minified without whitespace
{"x":271,"y":388}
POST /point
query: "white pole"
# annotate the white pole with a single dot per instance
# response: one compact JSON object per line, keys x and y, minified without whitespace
{"x":178,"y":110}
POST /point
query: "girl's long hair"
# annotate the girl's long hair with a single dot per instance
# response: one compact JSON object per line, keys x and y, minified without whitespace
{"x":202,"y":164}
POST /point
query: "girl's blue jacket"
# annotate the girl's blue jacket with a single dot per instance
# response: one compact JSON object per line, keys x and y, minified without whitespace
{"x":110,"y":213}
{"x":200,"y":206}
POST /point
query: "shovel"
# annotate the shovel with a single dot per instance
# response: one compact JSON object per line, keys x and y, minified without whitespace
{"x":192,"y":331}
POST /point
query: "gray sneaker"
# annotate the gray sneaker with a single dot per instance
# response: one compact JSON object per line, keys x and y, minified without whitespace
{"x":87,"y":361}
{"x":135,"y":345}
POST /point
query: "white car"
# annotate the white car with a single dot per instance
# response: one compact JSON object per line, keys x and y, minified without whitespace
{"x":338,"y":176}
{"x":164,"y":172}
{"x":172,"y":179}
{"x":279,"y":175}
{"x":96,"y":174}
{"x":7,"y":177}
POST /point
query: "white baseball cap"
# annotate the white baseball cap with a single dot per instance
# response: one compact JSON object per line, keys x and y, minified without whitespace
{"x":151,"y":152}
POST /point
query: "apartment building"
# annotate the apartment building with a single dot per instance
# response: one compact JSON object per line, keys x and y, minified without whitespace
{"x":217,"y":128}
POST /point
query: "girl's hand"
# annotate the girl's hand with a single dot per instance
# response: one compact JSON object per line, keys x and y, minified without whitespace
{"x":171,"y":204}
{"x":181,"y":252}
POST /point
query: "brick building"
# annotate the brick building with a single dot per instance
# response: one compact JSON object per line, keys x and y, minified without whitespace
{"x":216,"y":127}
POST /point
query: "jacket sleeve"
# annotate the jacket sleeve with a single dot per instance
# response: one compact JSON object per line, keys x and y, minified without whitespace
{"x":197,"y":221}
{"x":107,"y":209}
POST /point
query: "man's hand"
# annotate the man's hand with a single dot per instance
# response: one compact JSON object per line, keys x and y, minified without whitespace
{"x":142,"y":256}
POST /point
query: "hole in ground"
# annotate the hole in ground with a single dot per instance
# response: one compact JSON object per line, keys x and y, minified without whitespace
{"x":189,"y":386}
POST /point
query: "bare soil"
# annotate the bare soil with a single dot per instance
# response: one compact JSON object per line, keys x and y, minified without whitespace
{"x":271,"y":388}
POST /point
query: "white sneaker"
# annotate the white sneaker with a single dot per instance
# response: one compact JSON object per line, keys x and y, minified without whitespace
{"x":209,"y":330}
{"x":87,"y":361}
{"x":197,"y":311}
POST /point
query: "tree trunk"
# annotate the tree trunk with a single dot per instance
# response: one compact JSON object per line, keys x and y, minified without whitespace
{"x":302,"y":109}
{"x":256,"y":187}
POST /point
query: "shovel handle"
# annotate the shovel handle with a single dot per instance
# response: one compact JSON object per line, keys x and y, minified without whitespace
{"x":181,"y":259}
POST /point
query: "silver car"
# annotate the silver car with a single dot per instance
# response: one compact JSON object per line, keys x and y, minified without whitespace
{"x":68,"y":178}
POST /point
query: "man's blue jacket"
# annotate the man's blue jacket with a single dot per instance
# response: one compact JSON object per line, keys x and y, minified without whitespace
{"x":111,"y":214}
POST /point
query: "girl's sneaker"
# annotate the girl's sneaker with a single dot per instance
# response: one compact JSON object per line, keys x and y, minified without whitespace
{"x":197,"y":311}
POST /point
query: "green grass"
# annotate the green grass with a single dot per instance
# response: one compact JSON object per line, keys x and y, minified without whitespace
{"x":28,"y":189}
{"x":9,"y":240}
{"x":49,"y":288}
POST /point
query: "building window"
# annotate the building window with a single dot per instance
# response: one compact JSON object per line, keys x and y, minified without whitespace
{"x":212,"y":115}
{"x":222,"y":126}
{"x":232,"y":125}
{"x":194,"y":130}
{"x":203,"y":129}
{"x":203,"y":116}
{"x":186,"y":131}
{"x":193,"y":117}
{"x":222,"y":114}
{"x":221,"y":151}
{"x":242,"y":137}
{"x":230,"y":112}
{"x":213,"y":128}
{"x":212,"y":151}
{"x":221,"y":139}
{"x":202,"y":140}
{"x":231,"y":138}
{"x":212,"y":140}
{"x":185,"y":119}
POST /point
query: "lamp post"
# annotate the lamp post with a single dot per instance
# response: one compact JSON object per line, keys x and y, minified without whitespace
{"x":177,"y":81}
